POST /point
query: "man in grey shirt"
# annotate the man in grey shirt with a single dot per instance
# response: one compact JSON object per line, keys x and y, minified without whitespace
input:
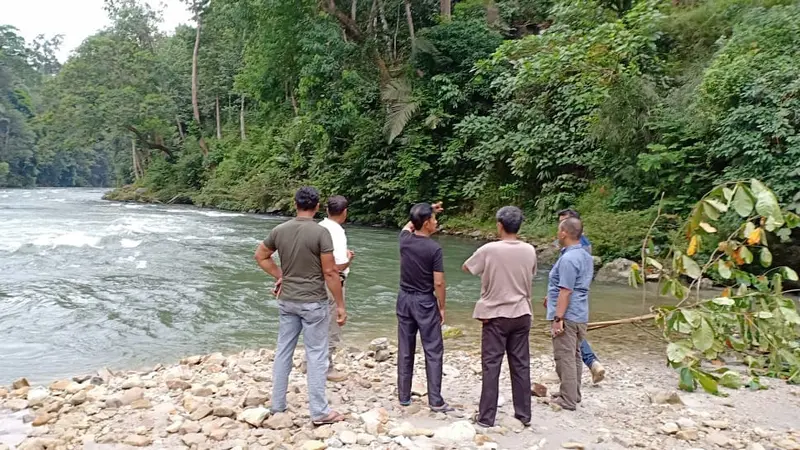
{"x":307,"y":266}
{"x":568,"y":309}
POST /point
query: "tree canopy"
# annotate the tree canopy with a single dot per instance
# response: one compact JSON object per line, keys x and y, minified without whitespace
{"x":603,"y":105}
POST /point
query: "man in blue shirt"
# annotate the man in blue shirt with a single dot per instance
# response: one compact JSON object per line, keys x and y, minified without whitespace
{"x":568,"y":309}
{"x":587,"y":354}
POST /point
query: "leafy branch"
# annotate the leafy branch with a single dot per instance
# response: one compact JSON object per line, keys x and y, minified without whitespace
{"x":753,"y":320}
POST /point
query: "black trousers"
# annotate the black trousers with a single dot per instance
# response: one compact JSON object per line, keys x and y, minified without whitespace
{"x":502,"y":336}
{"x":418,"y":312}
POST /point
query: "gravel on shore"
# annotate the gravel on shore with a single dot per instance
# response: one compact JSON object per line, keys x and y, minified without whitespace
{"x":221,"y":402}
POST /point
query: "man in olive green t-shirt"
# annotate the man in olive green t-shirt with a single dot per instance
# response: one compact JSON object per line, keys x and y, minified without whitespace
{"x":307,"y":266}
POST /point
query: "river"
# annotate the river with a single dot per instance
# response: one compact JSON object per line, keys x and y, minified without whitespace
{"x":86,"y":283}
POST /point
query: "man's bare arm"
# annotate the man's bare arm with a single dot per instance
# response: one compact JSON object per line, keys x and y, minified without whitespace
{"x":334,"y":283}
{"x":441,"y":291}
{"x":264,"y":259}
{"x":563,"y":301}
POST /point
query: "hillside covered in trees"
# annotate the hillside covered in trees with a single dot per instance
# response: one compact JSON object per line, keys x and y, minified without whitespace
{"x":603,"y":105}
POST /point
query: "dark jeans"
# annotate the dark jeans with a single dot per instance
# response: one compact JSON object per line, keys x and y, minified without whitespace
{"x":419,"y":313}
{"x":587,"y":354}
{"x":502,"y":336}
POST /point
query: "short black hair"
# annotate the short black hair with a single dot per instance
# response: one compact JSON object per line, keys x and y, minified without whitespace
{"x":569,"y":213}
{"x":420,"y":213}
{"x":572,"y":226}
{"x":306,"y":198}
{"x":511,"y":218}
{"x":336,"y":205}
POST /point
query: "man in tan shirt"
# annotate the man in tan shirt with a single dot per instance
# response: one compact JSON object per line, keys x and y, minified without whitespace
{"x":506,"y":268}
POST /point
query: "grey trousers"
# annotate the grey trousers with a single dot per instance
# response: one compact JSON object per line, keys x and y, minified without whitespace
{"x":501,"y":337}
{"x":311,"y":319}
{"x":569,"y":365}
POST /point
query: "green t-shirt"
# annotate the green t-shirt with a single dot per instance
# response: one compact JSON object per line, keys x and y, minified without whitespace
{"x":299,"y":243}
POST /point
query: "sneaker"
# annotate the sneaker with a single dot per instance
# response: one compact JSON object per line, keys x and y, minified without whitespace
{"x":336,"y":376}
{"x":598,"y":372}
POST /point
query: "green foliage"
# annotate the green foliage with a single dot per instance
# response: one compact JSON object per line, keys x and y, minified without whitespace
{"x":537,"y":103}
{"x":753,"y":320}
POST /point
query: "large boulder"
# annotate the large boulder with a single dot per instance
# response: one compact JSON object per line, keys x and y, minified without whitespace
{"x":617,"y":271}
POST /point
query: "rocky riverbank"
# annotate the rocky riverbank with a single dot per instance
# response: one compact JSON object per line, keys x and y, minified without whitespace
{"x":221,"y":402}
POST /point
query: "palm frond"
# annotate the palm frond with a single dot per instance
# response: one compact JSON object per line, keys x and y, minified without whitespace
{"x":400,"y":107}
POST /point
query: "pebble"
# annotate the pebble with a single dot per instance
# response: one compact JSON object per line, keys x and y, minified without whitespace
{"x":718,"y":424}
{"x":686,"y":423}
{"x":314,"y":445}
{"x":137,"y":440}
{"x":201,"y":412}
{"x":573,"y":445}
{"x":193,"y":439}
{"x":279,"y":421}
{"x":364,"y":439}
{"x":717,"y":438}
{"x":348,"y":437}
{"x":688,"y":435}
{"x":670,"y":428}
{"x":255,"y":416}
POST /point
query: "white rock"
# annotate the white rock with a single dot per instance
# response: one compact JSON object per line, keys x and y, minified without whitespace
{"x":686,"y":423}
{"x":132,"y":382}
{"x":670,"y":428}
{"x":450,"y":371}
{"x":458,"y":431}
{"x":717,"y":438}
{"x":365,"y":439}
{"x":254,"y":416}
{"x":36,"y":396}
{"x":348,"y":437}
{"x":718,"y":424}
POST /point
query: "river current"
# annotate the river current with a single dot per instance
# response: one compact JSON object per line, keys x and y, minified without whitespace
{"x":86,"y":283}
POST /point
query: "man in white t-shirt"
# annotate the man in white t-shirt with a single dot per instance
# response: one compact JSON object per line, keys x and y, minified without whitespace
{"x":337,"y":215}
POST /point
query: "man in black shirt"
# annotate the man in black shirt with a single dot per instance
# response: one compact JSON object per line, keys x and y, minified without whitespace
{"x":421,"y":305}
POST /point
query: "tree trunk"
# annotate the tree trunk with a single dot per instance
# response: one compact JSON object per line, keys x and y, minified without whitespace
{"x":410,"y":20}
{"x":219,"y":124}
{"x":353,"y":9}
{"x":180,"y":128}
{"x":385,"y":26}
{"x":195,"y":106}
{"x":241,"y":120}
{"x":135,"y":159}
{"x":444,"y":7}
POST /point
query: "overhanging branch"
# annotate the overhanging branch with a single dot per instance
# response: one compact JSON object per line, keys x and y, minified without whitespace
{"x":142,"y":137}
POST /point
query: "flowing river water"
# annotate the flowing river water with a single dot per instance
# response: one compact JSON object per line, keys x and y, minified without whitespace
{"x":86,"y":283}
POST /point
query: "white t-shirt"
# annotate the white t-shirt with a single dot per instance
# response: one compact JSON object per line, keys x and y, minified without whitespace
{"x":339,"y":242}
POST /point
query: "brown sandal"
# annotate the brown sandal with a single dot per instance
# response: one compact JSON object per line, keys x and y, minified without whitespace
{"x":331,"y":418}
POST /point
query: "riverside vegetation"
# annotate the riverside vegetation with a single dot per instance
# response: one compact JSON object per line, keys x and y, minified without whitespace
{"x":599,"y":104}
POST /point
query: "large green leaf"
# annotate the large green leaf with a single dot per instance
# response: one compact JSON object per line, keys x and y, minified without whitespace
{"x":767,"y":206}
{"x":703,"y":336}
{"x":731,"y":379}
{"x":765,"y":257}
{"x":790,"y":274}
{"x":724,"y":301}
{"x":708,"y":382}
{"x":691,"y":268}
{"x":687,"y":382}
{"x":677,"y":353}
{"x":743,"y":201}
{"x":723,"y":269}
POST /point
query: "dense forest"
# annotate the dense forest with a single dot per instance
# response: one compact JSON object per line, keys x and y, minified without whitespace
{"x":604,"y":105}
